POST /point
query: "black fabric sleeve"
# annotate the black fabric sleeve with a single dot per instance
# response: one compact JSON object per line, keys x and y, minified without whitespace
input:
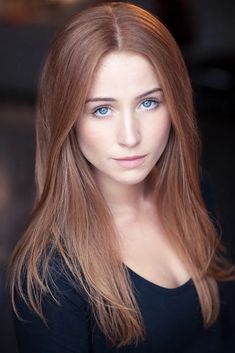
{"x":227,"y":315}
{"x":68,"y":324}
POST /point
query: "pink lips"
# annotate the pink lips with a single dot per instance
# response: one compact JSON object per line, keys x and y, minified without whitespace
{"x":131,"y":162}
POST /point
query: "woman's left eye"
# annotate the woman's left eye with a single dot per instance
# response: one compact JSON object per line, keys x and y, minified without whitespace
{"x":150,"y":104}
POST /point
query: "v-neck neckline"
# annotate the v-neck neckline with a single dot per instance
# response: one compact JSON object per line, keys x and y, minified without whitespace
{"x":164,"y":290}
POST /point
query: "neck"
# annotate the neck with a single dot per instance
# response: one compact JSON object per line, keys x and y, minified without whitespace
{"x":124,"y":199}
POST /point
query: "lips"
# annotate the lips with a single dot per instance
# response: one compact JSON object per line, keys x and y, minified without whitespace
{"x":130,"y":162}
{"x":129,"y":158}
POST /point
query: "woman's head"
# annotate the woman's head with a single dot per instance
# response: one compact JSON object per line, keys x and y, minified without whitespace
{"x":74,"y":60}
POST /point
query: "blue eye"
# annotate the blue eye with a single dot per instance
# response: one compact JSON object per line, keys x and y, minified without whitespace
{"x":102,"y":111}
{"x":150,"y":103}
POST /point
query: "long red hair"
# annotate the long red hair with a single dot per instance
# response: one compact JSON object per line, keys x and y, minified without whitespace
{"x":71,"y":218}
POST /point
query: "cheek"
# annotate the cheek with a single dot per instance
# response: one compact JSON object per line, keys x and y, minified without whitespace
{"x":92,"y":139}
{"x":160,"y":132}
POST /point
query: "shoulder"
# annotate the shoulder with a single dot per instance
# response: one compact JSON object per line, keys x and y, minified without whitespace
{"x":227,"y":314}
{"x":66,"y":313}
{"x":63,"y":288}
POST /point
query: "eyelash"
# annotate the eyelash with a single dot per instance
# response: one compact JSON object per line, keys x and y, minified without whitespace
{"x":152,"y":100}
{"x":94,"y":113}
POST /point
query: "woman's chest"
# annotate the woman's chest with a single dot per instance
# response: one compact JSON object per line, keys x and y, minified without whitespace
{"x":147,"y":251}
{"x":172,"y":321}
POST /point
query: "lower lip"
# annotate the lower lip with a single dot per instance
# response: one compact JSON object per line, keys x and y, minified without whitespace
{"x":131,"y":163}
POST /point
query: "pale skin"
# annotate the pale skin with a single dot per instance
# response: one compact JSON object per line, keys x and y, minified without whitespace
{"x":125,"y":116}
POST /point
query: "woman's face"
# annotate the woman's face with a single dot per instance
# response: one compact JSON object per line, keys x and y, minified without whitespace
{"x":125,"y":124}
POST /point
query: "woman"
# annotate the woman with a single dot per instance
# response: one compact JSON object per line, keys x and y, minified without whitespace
{"x":120,"y":253}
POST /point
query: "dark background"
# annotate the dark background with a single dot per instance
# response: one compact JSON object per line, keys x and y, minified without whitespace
{"x":205,"y":31}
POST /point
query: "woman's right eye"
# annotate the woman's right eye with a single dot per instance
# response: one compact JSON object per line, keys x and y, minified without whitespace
{"x":101,"y":112}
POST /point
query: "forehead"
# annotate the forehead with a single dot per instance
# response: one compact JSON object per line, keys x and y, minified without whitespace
{"x":124,"y":72}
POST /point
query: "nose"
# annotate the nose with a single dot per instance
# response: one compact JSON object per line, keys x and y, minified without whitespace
{"x":129,"y":134}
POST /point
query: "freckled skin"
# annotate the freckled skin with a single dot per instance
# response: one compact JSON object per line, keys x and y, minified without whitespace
{"x":127,"y":125}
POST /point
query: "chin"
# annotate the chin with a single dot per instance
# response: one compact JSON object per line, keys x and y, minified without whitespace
{"x":133,"y":179}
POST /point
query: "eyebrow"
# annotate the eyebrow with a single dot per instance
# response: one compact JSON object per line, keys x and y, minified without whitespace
{"x":107,"y":99}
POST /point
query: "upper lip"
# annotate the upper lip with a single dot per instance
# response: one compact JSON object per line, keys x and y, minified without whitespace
{"x":130,"y":158}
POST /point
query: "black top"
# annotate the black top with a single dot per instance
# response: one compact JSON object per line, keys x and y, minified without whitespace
{"x":172,"y":319}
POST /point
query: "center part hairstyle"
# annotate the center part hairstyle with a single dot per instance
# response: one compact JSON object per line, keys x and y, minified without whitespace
{"x":71,"y":224}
